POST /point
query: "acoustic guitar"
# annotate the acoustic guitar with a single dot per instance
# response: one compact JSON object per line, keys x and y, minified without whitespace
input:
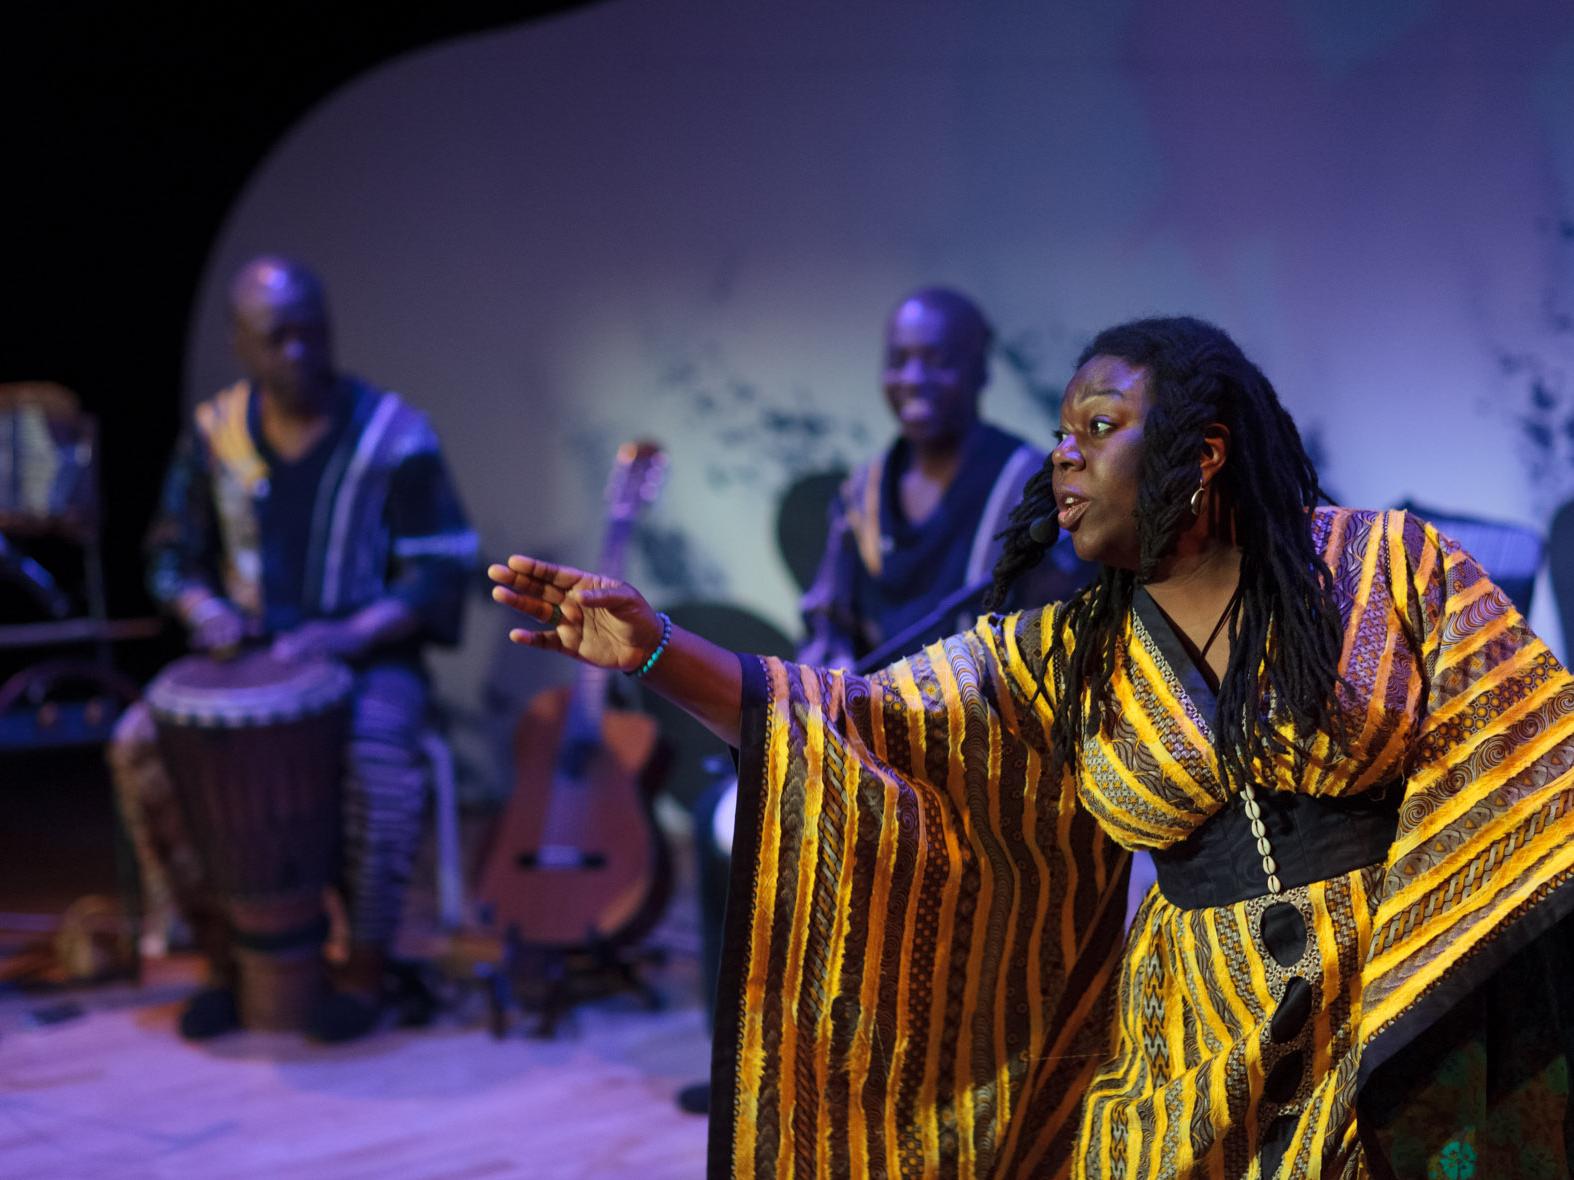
{"x":577,"y":861}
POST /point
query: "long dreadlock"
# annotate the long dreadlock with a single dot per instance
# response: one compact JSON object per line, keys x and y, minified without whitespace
{"x":1198,"y":376}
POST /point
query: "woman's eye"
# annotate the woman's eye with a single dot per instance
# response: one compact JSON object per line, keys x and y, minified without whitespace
{"x":1060,"y":436}
{"x":1100,"y":426}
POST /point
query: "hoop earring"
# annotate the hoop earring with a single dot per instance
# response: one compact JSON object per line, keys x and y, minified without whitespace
{"x":1196,"y":499}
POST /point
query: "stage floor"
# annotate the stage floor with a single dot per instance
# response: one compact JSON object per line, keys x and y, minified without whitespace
{"x":111,"y":1091}
{"x":115,"y":1092}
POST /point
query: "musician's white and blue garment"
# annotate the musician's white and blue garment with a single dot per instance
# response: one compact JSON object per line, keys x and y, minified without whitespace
{"x":882,"y":576}
{"x":369,"y":513}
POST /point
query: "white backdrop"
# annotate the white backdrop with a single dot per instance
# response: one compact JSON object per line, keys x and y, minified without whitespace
{"x":687,"y":219}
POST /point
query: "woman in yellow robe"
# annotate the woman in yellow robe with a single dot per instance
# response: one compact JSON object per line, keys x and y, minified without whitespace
{"x":1347,"y":753}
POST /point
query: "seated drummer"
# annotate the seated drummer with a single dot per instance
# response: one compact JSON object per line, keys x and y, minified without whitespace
{"x":310,"y":511}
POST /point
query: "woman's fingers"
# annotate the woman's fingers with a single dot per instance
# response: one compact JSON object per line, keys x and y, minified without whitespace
{"x":526,"y":604}
{"x":525,"y":583}
{"x":543,"y":640}
{"x":528,"y":586}
{"x":561,"y":577}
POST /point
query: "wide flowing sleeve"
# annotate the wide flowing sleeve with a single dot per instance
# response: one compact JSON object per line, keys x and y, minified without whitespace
{"x":1473,"y":911}
{"x":922,"y":925}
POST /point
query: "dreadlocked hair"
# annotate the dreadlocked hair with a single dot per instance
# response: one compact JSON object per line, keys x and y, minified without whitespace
{"x":1198,"y":376}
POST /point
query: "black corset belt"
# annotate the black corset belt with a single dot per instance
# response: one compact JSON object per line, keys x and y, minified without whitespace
{"x":1313,"y":838}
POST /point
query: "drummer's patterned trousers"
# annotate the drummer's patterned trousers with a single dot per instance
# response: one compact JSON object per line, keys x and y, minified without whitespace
{"x":384,"y":803}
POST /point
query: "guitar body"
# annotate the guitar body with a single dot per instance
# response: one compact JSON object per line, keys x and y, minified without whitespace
{"x":577,"y":860}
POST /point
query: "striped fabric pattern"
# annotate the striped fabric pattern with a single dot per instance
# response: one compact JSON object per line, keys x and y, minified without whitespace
{"x":924,"y":958}
{"x":930,"y":963}
{"x":238,"y":474}
{"x":391,"y":508}
{"x":1184,"y":1093}
{"x":386,"y":521}
{"x":384,"y":797}
{"x":1485,"y":831}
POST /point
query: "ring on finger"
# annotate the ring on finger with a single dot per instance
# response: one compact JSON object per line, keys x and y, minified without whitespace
{"x":557,"y":615}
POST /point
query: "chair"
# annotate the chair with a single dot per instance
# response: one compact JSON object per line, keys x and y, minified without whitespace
{"x":49,"y":488}
{"x":54,"y":695}
{"x":49,"y":496}
{"x":1510,"y":553}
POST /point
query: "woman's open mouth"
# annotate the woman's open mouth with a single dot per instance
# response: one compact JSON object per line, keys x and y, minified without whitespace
{"x":1071,"y":509}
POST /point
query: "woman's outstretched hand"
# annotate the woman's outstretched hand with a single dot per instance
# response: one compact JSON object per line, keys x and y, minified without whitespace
{"x":609,"y":624}
{"x":599,"y":620}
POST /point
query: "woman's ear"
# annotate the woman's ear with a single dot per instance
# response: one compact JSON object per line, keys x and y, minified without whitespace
{"x":1215,"y":450}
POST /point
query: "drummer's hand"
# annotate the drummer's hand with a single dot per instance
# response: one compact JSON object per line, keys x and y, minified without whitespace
{"x":216,"y":626}
{"x":599,"y":620}
{"x":320,"y":637}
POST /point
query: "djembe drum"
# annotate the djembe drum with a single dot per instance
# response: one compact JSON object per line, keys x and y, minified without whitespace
{"x":255,"y":751}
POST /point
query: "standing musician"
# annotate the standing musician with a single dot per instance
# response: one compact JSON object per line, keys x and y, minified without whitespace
{"x":310,"y":511}
{"x":916,"y":529}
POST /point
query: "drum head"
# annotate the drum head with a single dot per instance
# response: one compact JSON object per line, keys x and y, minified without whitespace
{"x":251,"y":689}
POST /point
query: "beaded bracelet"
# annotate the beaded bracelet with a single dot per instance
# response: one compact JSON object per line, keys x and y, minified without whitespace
{"x":666,"y":635}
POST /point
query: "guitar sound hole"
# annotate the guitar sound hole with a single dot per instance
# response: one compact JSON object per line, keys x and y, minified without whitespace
{"x":551,"y":858}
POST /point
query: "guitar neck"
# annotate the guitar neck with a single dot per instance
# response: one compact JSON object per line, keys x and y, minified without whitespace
{"x":588,"y":703}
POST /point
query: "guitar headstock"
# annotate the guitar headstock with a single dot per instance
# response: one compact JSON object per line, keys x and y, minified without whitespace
{"x":636,"y":479}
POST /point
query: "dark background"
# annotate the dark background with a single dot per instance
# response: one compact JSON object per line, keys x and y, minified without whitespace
{"x":128,"y":132}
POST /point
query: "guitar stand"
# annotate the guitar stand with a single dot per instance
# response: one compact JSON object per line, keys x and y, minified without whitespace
{"x":547,"y":982}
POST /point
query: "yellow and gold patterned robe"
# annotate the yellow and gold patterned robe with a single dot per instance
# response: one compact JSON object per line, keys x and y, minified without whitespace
{"x":924,"y":973}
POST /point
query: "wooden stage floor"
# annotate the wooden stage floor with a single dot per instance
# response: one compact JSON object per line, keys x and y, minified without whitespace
{"x":115,"y":1093}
